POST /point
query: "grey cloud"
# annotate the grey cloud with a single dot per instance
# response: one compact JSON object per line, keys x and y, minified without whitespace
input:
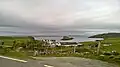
{"x":54,"y":16}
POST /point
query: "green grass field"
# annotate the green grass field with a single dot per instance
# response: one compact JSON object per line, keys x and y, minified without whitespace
{"x":8,"y":42}
{"x":114,"y":41}
{"x":115,"y":44}
{"x":114,"y":47}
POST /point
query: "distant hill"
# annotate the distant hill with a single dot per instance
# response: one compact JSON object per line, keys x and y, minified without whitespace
{"x":106,"y":35}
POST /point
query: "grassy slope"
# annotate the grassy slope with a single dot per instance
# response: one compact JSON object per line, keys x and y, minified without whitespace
{"x":9,"y":40}
{"x":115,"y":46}
{"x":114,"y":41}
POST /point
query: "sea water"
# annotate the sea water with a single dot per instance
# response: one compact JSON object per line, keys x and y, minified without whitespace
{"x":76,"y":39}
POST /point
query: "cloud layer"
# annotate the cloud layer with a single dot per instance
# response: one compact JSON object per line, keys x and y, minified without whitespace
{"x":59,"y":15}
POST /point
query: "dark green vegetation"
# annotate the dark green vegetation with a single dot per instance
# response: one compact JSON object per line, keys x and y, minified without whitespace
{"x":106,"y":35}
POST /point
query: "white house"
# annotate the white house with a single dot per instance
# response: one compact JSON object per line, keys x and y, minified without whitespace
{"x":62,"y":43}
{"x":52,"y":42}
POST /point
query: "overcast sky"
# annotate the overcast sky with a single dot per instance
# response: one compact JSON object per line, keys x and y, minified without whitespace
{"x":54,"y":16}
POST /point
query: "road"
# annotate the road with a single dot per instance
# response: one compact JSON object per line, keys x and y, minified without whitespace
{"x":56,"y":62}
{"x":12,"y":63}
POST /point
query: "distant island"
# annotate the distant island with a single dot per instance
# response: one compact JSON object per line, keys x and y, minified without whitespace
{"x":105,"y":35}
{"x":67,"y":38}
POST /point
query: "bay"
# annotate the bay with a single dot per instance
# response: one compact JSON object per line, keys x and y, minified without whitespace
{"x":76,"y":38}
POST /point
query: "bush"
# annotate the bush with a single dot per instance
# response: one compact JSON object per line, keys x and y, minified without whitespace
{"x":32,"y":38}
